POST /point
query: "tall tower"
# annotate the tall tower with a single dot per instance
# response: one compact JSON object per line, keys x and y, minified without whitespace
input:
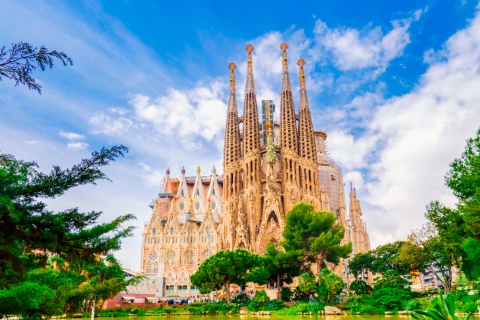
{"x":288,"y":139}
{"x":251,"y":153}
{"x":306,"y":141}
{"x":232,"y":166}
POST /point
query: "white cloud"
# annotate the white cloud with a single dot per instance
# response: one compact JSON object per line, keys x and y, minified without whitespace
{"x":353,"y":49}
{"x":77,"y":145}
{"x":193,"y":114}
{"x":418,"y":135}
{"x":71,"y":136}
{"x":114,"y":121}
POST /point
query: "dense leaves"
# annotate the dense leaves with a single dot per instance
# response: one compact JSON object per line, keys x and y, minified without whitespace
{"x":223,"y":269}
{"x":313,"y":236}
{"x":47,"y":252}
{"x":19,"y":61}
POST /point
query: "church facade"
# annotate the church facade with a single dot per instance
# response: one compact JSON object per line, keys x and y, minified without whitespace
{"x":268,"y":167}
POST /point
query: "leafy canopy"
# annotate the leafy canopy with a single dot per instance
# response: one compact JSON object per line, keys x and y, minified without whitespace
{"x":313,"y":236}
{"x":45,"y":252}
{"x":223,"y":269}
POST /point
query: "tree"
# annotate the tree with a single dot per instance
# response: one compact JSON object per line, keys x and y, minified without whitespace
{"x":223,"y":269}
{"x":30,"y":233}
{"x":306,"y":285}
{"x":274,"y":266}
{"x":360,"y":262}
{"x":105,"y":279}
{"x":386,"y":258}
{"x":19,"y":61}
{"x":313,"y":237}
{"x":464,"y":180}
{"x":438,"y":244}
{"x":329,"y":285}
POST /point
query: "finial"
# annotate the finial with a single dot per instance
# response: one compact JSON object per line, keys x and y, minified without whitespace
{"x":249,"y":48}
{"x":214,"y":170}
{"x":232,"y":66}
{"x":183,"y":170}
{"x":284,"y":48}
{"x":198,"y":170}
{"x":301,"y":74}
{"x":168,"y":171}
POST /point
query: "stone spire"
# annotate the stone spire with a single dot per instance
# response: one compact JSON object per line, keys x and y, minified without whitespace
{"x":251,"y":132}
{"x":288,"y":125}
{"x":306,"y":139}
{"x":232,"y":149}
{"x":250,"y":87}
{"x":232,"y":100}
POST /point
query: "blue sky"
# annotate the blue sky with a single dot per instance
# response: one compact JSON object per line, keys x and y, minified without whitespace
{"x":395,"y":84}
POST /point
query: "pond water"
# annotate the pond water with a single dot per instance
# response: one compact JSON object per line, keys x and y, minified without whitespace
{"x":273,"y":317}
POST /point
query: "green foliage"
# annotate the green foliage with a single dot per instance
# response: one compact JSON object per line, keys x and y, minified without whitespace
{"x":286,"y":294}
{"x":30,"y":233}
{"x":411,"y":305}
{"x":467,"y":301}
{"x":307,"y":284}
{"x":274,"y":266}
{"x":439,"y":308}
{"x":241,"y":299}
{"x":313,"y":237}
{"x":389,"y":298}
{"x":464,"y":179}
{"x":259,"y":301}
{"x":329,"y":286}
{"x":18,"y":62}
{"x":312,"y":306}
{"x":224,"y":268}
{"x":360,"y":287}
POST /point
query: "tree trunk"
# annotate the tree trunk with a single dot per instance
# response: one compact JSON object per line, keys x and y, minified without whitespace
{"x":227,"y":291}
{"x":93,"y":310}
{"x":279,"y":292}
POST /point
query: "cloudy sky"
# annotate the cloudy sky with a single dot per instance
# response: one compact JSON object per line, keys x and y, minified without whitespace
{"x":395,"y":84}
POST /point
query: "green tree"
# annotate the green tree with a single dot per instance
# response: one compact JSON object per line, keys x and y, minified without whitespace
{"x":105,"y":278}
{"x":464,"y":180}
{"x":30,"y":233}
{"x":274,"y":266}
{"x":329,"y":285}
{"x":19,"y":61}
{"x":439,"y":242}
{"x":386,"y":258}
{"x":313,"y":237}
{"x":361,"y":287}
{"x":306,"y":285}
{"x":223,"y":269}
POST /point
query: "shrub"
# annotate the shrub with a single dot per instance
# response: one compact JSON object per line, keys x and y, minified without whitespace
{"x":389,"y":298}
{"x":286,"y":294}
{"x":241,"y":299}
{"x":260,"y":300}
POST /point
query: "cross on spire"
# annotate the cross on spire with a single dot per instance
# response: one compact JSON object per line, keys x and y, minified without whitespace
{"x":284,"y":47}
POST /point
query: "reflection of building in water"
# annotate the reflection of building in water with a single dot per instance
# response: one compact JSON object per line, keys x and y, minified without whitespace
{"x":269,"y":166}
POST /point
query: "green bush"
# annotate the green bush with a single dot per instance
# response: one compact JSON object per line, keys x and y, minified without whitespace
{"x":389,"y":298}
{"x":241,"y":299}
{"x":411,"y":305}
{"x":260,"y":301}
{"x":275,"y":305}
{"x":286,"y":294}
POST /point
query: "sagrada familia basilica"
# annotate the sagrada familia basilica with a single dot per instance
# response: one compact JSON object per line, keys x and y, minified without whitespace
{"x":268,"y":167}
